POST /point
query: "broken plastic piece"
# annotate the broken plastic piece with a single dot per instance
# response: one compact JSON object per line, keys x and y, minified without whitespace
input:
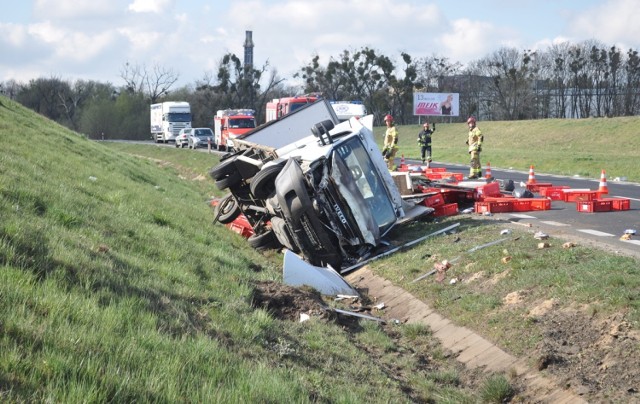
{"x":630,"y":231}
{"x":505,"y":231}
{"x":540,"y":236}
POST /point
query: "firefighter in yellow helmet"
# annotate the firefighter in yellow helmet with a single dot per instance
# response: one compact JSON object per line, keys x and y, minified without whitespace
{"x":390,"y":147}
{"x":475,"y":147}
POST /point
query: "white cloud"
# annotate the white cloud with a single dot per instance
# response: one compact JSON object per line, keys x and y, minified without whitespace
{"x":149,"y":6}
{"x":613,"y":22}
{"x":71,"y":9}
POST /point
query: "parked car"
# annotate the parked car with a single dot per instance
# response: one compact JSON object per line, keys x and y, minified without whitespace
{"x":312,"y":185}
{"x":200,"y":137}
{"x":182,"y":139}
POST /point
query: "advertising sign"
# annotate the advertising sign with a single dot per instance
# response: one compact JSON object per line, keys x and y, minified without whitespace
{"x":436,"y":104}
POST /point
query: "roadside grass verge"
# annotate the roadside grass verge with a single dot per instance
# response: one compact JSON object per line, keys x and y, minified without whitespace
{"x":570,"y":147}
{"x":495,"y":296}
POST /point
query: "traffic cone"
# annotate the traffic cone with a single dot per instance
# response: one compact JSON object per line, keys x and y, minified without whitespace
{"x":603,"y":189}
{"x":402,"y":161}
{"x":487,"y":173}
{"x":532,"y":176}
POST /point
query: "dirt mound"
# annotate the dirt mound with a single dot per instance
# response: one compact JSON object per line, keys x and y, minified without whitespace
{"x":286,"y":302}
{"x":597,"y":359}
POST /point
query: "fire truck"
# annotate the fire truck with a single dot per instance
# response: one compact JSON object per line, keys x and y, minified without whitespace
{"x":279,"y":107}
{"x":229,"y":124}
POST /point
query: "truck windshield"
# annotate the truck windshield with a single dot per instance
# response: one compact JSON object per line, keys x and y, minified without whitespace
{"x":178,"y":117}
{"x":242,"y":123}
{"x":368,"y":182}
{"x":296,"y":105}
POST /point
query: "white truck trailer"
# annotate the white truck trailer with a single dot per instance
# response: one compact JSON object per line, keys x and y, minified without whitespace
{"x":168,"y":118}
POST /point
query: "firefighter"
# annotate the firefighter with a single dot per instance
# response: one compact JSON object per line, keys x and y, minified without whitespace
{"x":424,"y":141}
{"x":475,"y":147}
{"x":390,"y":147}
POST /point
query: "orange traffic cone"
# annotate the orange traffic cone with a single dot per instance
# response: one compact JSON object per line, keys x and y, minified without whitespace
{"x":532,"y":176}
{"x":603,"y":189}
{"x":487,"y":173}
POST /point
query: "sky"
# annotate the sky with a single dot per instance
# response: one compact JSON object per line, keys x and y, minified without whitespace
{"x":94,"y":39}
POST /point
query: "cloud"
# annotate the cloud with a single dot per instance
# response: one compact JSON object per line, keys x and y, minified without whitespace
{"x":150,"y":6}
{"x":72,"y":9}
{"x":614,"y":22}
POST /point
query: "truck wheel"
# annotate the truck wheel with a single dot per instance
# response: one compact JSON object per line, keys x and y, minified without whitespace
{"x":264,"y":240}
{"x":224,"y":169}
{"x":227,"y":210}
{"x":263,"y":183}
{"x":229,"y":181}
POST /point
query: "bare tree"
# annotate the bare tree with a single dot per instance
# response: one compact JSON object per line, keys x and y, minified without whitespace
{"x":154,"y":83}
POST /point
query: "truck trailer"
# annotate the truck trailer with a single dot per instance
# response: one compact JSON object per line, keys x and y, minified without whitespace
{"x":168,"y":118}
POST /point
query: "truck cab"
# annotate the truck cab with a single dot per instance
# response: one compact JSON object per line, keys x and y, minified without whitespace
{"x":231,"y":123}
{"x":279,"y":107}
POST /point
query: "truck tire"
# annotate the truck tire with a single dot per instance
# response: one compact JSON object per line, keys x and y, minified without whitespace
{"x":263,"y":184}
{"x":224,"y":169}
{"x":229,"y":181}
{"x":227,"y":210}
{"x":264,"y":240}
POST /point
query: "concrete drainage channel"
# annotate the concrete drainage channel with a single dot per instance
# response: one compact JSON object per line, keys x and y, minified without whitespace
{"x":468,"y":347}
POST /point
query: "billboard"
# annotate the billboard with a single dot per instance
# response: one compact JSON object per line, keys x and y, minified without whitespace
{"x":436,"y":104}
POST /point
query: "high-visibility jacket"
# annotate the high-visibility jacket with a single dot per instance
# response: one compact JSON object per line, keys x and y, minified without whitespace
{"x":475,"y":140}
{"x":390,"y":138}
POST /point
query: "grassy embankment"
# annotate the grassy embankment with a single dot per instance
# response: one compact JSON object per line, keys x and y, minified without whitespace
{"x":116,"y":287}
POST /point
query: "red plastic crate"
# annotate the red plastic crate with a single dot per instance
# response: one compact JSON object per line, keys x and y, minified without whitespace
{"x":435,"y":170}
{"x":619,"y":203}
{"x":491,"y":189}
{"x":540,"y":204}
{"x":579,"y":195}
{"x":449,"y":209}
{"x":554,"y":193}
{"x":597,"y":205}
{"x":493,"y":207}
{"x":538,"y":186}
{"x":434,"y":200}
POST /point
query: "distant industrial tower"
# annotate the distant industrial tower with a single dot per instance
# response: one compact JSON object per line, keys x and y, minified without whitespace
{"x":248,"y":49}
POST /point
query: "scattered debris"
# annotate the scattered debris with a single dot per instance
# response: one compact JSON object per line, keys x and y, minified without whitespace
{"x":441,"y":268}
{"x":453,"y":281}
{"x":540,"y":236}
{"x":521,"y":224}
{"x":476,"y":248}
{"x":543,"y":245}
{"x":379,"y":306}
{"x":625,"y":236}
{"x":304,"y":317}
{"x":506,"y":260}
{"x":568,"y":244}
{"x":297,"y":272}
{"x":92,"y":178}
{"x":468,"y":210}
{"x":354,"y":314}
{"x":505,"y":231}
{"x":630,"y":231}
{"x":396,"y":249}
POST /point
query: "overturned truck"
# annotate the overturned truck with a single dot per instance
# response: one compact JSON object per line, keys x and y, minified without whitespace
{"x":312,"y":185}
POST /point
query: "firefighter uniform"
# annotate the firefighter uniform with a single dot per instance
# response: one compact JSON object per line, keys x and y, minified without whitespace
{"x":475,"y":147}
{"x":424,"y":141}
{"x":390,"y":147}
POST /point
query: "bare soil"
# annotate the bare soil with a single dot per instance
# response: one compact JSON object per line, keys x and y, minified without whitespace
{"x":599,"y":360}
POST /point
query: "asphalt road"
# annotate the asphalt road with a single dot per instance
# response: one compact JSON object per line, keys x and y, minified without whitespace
{"x":564,"y":219}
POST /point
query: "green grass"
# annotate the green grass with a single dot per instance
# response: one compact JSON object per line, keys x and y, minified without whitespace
{"x":115,"y":286}
{"x":582,"y":147}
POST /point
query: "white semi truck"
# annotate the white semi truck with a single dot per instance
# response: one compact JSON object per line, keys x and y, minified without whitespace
{"x":168,"y":118}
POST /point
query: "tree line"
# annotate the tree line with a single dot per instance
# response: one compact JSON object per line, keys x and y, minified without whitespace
{"x":565,"y":80}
